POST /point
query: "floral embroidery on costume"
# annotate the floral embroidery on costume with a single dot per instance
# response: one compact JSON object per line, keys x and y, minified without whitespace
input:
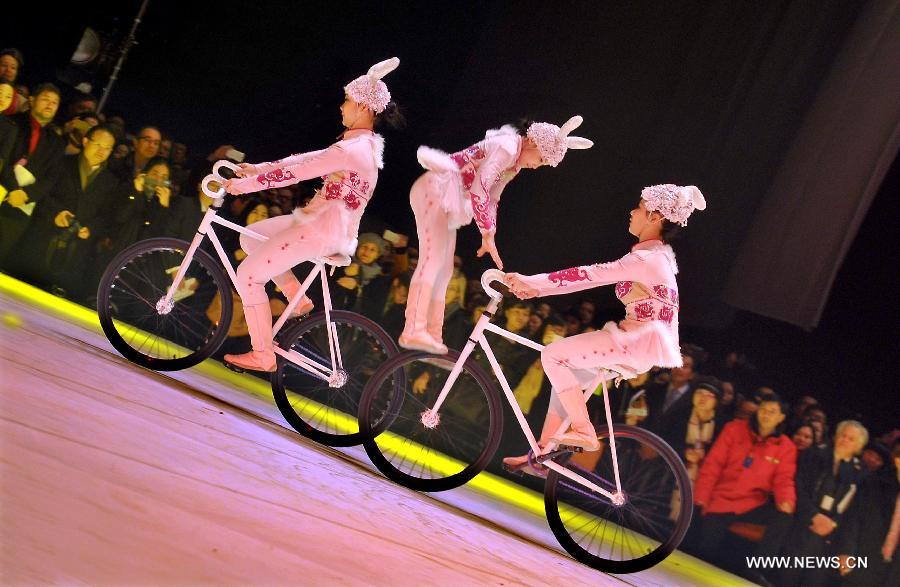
{"x":274,"y":176}
{"x":643,"y":310}
{"x":572,"y":274}
{"x":623,"y":288}
{"x":349,"y":187}
{"x":666,"y":314}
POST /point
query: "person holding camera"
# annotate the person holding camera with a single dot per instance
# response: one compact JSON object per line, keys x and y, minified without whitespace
{"x":147,"y":212}
{"x":72,"y":216}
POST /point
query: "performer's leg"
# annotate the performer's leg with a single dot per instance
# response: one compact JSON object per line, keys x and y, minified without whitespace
{"x":273,"y":258}
{"x":431,"y":226}
{"x":287,"y":282}
{"x":439,"y":293}
{"x":552,"y":422}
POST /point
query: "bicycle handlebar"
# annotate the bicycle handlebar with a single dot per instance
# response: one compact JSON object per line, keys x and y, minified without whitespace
{"x":492,"y":275}
{"x":204,"y":185}
{"x":224,"y":163}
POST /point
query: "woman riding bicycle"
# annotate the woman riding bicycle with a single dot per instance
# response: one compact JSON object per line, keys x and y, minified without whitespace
{"x":329,"y":224}
{"x":647,"y":337}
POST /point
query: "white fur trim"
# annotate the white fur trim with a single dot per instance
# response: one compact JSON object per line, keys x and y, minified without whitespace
{"x":506,"y":129}
{"x":378,"y":152}
{"x":435,"y":160}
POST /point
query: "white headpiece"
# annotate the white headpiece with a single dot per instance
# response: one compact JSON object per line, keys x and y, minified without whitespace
{"x":674,"y":202}
{"x":553,"y":141}
{"x":369,"y":90}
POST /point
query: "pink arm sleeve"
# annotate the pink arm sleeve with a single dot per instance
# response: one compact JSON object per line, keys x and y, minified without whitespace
{"x":488,"y":187}
{"x":295,"y":169}
{"x":631,"y":267}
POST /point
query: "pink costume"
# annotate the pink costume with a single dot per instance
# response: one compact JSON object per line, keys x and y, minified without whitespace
{"x":647,"y":337}
{"x":328,"y":225}
{"x":455,"y":190}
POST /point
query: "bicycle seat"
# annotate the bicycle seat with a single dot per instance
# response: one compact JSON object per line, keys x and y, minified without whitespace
{"x":336,"y":260}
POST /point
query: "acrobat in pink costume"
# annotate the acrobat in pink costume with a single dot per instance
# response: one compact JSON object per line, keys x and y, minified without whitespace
{"x":455,"y":190}
{"x":648,"y":336}
{"x":328,"y":225}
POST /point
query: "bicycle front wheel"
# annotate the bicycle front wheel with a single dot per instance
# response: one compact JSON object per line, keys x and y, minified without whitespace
{"x":149,"y":332}
{"x":636,"y":534}
{"x":323,"y":410}
{"x":410,"y":444}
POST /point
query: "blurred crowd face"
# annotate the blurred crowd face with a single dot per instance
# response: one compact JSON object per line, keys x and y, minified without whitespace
{"x":803,"y":437}
{"x":6,"y":96}
{"x":704,"y":400}
{"x":165,"y":148}
{"x":543,"y":310}
{"x":573,"y":325}
{"x":769,"y":416}
{"x":849,"y":441}
{"x":400,"y":294}
{"x":98,"y":148}
{"x":745,"y":410}
{"x":552,"y":333}
{"x":367,"y":253}
{"x":516,"y":318}
{"x":9,"y":68}
{"x":872,"y":460}
{"x":179,"y":153}
{"x":683,"y":374}
{"x":44,"y":106}
{"x":815,"y":415}
{"x":147,"y":144}
{"x":159,"y":173}
{"x":727,"y":393}
{"x":803,"y":404}
{"x":259,"y":212}
{"x":534,"y":324}
{"x":586,"y":312}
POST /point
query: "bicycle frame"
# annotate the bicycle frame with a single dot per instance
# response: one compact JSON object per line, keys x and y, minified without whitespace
{"x":330,"y":374}
{"x":477,"y":338}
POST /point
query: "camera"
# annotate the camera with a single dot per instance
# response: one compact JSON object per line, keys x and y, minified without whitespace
{"x":150,"y":185}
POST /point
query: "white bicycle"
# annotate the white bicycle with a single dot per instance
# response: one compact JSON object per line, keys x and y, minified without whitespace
{"x":433,"y":422}
{"x":166,"y":304}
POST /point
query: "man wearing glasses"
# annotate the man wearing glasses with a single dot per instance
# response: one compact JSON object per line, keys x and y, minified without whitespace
{"x":146,"y":147}
{"x":76,"y":213}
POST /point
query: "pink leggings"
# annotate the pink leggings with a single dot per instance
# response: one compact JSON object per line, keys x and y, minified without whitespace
{"x":437,"y":243}
{"x":289,"y":244}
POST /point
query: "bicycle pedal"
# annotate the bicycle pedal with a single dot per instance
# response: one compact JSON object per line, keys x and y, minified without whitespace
{"x":551,"y":455}
{"x":564,"y":448}
{"x":234,"y":368}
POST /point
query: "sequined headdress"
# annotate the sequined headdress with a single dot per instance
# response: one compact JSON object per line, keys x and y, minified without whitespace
{"x":369,"y":90}
{"x":674,"y":202}
{"x":553,"y":141}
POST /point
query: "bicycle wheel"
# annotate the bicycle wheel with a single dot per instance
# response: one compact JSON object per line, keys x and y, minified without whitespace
{"x":642,"y":531}
{"x":431,"y":455}
{"x":310,"y":405}
{"x":136,"y":281}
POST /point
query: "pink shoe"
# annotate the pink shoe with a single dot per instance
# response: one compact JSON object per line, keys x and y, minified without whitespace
{"x":303,"y":308}
{"x":521,"y":465}
{"x":421,"y":342}
{"x":253,"y":361}
{"x":584,"y":440}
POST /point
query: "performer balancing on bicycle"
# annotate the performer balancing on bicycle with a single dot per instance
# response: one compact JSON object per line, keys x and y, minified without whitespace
{"x":647,"y":337}
{"x":456,"y":189}
{"x":329,"y":224}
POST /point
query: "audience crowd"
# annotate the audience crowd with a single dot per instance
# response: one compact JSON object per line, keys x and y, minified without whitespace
{"x":771,"y":473}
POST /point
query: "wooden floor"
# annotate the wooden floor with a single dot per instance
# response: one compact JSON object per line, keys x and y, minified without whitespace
{"x":114,"y":475}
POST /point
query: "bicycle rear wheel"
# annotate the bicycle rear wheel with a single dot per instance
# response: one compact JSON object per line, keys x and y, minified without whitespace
{"x":642,"y":531}
{"x":141,"y":328}
{"x":423,"y":454}
{"x":312,"y":407}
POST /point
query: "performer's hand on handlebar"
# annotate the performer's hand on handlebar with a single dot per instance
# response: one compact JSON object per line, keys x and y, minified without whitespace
{"x":519,"y":288}
{"x":488,"y":246}
{"x":247,"y":170}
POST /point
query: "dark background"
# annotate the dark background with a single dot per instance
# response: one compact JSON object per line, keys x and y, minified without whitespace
{"x":704,"y":93}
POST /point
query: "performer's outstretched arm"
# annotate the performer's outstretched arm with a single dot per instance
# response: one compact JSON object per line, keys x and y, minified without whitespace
{"x":298,"y":168}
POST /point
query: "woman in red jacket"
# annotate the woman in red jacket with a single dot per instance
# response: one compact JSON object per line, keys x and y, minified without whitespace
{"x":748,"y":476}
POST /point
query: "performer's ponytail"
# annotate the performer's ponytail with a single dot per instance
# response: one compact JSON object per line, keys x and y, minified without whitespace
{"x":392,"y":116}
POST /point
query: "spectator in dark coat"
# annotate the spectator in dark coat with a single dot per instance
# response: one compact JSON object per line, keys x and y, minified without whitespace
{"x":826,"y":486}
{"x":40,"y":151}
{"x":147,"y":211}
{"x":8,"y":129}
{"x":870,"y":528}
{"x":72,"y":216}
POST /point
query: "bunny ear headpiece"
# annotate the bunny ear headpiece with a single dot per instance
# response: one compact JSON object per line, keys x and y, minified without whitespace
{"x":553,"y":141}
{"x":369,"y":90}
{"x":674,"y":202}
